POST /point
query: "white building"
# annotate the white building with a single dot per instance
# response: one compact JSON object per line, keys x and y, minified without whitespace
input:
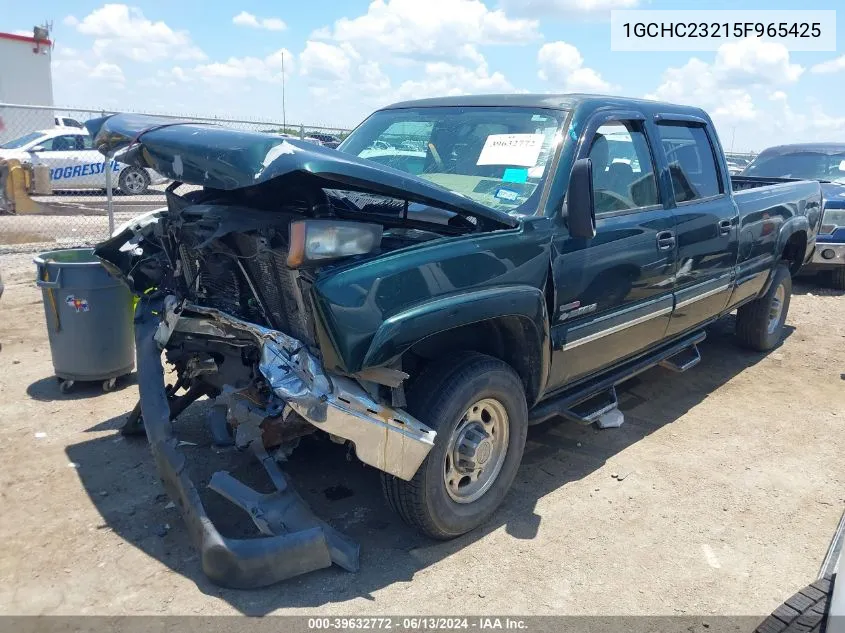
{"x":25,"y":78}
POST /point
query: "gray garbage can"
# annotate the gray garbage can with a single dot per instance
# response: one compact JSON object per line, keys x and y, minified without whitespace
{"x":89,"y":318}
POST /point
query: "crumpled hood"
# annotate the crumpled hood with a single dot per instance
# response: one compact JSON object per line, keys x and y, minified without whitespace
{"x":224,"y":158}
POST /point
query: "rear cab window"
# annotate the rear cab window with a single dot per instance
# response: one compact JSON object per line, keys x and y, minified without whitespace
{"x":692,"y":161}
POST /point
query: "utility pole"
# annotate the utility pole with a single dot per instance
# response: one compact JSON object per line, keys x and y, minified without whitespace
{"x":733,"y":134}
{"x":284,"y":114}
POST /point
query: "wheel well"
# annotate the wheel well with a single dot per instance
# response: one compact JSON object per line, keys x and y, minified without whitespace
{"x":794,"y":250}
{"x":512,"y":339}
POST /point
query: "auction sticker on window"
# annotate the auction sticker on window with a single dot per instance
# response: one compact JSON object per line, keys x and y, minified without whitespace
{"x":511,"y":149}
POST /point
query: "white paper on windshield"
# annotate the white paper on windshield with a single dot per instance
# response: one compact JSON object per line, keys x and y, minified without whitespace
{"x":511,"y":149}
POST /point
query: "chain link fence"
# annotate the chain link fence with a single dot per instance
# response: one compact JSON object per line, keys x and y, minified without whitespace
{"x":68,"y":182}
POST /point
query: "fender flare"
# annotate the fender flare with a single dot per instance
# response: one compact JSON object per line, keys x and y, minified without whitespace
{"x":789,"y":228}
{"x":401,"y":331}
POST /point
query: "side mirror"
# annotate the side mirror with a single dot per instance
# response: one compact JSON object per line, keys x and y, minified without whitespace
{"x":37,"y":148}
{"x":581,"y":216}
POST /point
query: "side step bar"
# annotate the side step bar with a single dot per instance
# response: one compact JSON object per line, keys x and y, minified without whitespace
{"x":592,"y":392}
{"x":680,"y":362}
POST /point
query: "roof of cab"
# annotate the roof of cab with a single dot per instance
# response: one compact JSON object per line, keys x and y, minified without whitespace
{"x":554,"y":101}
{"x":794,"y":148}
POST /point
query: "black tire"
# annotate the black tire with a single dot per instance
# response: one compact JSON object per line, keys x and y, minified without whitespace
{"x":753,"y":319}
{"x":805,"y":612}
{"x":837,"y":278}
{"x":439,"y":397}
{"x":133,"y":181}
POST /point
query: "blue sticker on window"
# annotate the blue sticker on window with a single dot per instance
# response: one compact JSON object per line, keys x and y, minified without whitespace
{"x":515,"y":175}
{"x":507,"y":194}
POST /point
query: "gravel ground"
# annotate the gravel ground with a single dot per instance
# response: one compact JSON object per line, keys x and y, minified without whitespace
{"x":719,"y":495}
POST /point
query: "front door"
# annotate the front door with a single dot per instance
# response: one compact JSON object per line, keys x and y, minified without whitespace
{"x":706,"y":222}
{"x":613,"y":293}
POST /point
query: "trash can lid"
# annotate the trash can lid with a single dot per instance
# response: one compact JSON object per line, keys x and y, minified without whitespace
{"x":69,"y":257}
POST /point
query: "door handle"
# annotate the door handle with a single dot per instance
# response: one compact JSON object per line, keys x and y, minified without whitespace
{"x":725,"y":227}
{"x":665,"y":240}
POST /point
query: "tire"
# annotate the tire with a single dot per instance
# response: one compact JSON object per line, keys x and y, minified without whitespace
{"x":837,"y":278}
{"x":756,"y":327}
{"x":443,"y":397}
{"x":133,"y":181}
{"x":805,"y":612}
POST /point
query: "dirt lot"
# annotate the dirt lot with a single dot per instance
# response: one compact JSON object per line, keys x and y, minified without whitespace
{"x":718,"y":496}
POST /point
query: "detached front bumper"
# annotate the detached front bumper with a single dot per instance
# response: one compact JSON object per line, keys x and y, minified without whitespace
{"x":295,"y":541}
{"x":388,"y":439}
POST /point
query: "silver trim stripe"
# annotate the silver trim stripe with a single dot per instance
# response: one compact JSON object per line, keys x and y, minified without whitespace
{"x":616,"y":328}
{"x":703,"y":295}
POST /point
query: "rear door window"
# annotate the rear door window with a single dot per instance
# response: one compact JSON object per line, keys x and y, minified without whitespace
{"x":692,"y":161}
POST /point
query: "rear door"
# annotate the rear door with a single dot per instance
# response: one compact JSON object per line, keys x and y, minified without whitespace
{"x":613,"y":293}
{"x":706,"y":221}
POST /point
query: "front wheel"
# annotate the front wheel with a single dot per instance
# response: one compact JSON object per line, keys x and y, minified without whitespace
{"x":133,"y":181}
{"x":759,"y":324}
{"x":476,"y":404}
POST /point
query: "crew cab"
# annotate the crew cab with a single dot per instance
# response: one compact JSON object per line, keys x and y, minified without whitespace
{"x":824,"y":162}
{"x":74,"y":163}
{"x":426,"y":305}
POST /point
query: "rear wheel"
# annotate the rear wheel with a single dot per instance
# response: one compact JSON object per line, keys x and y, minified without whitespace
{"x":476,"y":404}
{"x":133,"y":181}
{"x":759,"y":324}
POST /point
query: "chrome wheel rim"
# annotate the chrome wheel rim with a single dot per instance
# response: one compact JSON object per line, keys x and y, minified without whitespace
{"x":476,"y":451}
{"x":134,"y":181}
{"x":776,"y":309}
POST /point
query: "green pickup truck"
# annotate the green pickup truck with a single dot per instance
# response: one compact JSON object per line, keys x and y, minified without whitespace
{"x":457,"y":270}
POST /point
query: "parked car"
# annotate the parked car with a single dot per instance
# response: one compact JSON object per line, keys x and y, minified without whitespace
{"x":427,"y":317}
{"x":64,"y":121}
{"x":824,"y":162}
{"x":74,"y":163}
{"x":820,"y":606}
{"x":325,"y":139}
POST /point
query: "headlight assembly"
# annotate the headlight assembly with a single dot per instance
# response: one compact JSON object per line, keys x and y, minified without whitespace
{"x":314,"y":241}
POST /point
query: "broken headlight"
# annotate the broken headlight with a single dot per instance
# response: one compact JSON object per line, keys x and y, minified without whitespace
{"x":314,"y":241}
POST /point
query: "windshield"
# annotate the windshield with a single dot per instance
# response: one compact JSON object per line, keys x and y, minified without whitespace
{"x":496,"y":156}
{"x":23,"y":140}
{"x":805,"y":165}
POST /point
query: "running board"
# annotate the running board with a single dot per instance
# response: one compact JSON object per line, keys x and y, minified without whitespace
{"x":567,"y":402}
{"x":593,"y":408}
{"x":680,"y":362}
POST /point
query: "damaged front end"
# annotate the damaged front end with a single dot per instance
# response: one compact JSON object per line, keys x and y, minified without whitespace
{"x":201,"y":304}
{"x":226,"y":293}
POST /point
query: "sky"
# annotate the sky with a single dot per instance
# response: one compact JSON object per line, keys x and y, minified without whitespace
{"x":343,"y":58}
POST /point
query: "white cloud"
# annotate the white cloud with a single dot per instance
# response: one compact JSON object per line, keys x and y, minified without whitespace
{"x":326,"y":61}
{"x":118,"y":29}
{"x":432,"y":29}
{"x":756,"y":62}
{"x":567,"y":8}
{"x":562,"y":65}
{"x":444,"y":78}
{"x":723,"y":87}
{"x":70,"y":20}
{"x":108,"y":72}
{"x":267,"y":69}
{"x":248,"y":19}
{"x":830,"y":66}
